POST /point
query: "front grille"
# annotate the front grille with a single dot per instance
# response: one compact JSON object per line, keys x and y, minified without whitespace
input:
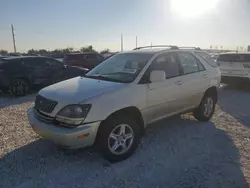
{"x":44,"y":105}
{"x":42,"y":117}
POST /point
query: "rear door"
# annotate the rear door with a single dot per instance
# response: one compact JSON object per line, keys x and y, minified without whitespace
{"x":195,"y":80}
{"x":234,"y":64}
{"x":56,"y":70}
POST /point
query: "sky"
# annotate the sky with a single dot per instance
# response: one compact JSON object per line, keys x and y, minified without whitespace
{"x":50,"y":24}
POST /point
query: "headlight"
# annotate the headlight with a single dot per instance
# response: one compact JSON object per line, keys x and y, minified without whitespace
{"x":73,"y":115}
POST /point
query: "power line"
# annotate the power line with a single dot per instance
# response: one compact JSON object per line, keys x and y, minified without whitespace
{"x":13,"y":37}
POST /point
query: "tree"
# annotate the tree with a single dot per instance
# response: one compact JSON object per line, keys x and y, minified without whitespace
{"x":87,"y":49}
{"x":3,"y":52}
{"x":105,"y":51}
{"x":32,"y":52}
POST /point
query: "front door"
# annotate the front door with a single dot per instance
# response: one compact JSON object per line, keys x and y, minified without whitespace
{"x":39,"y":70}
{"x":162,"y":98}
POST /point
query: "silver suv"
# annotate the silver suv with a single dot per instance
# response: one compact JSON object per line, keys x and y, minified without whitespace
{"x":112,"y":105}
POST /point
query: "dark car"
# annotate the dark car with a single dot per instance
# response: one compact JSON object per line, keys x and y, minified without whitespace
{"x":86,"y":60}
{"x":19,"y":74}
{"x":1,"y":57}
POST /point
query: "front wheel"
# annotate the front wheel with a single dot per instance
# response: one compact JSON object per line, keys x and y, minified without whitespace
{"x":118,"y":138}
{"x":206,"y":108}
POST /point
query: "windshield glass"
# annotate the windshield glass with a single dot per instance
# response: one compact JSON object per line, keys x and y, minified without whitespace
{"x":122,"y":67}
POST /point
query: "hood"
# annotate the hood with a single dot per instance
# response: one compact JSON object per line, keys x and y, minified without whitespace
{"x":78,"y":89}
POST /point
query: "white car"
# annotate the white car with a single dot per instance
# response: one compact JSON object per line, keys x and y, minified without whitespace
{"x":234,"y":66}
{"x":113,"y":104}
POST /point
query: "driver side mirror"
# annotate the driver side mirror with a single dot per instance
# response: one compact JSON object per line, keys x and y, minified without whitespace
{"x":157,"y":76}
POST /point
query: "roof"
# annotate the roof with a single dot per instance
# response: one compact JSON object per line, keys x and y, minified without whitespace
{"x":82,"y":53}
{"x":241,"y":53}
{"x":161,"y":48}
{"x":23,"y":57}
{"x":156,"y":50}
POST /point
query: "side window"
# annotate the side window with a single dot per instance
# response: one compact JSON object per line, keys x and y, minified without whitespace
{"x":99,"y":57}
{"x":231,"y":58}
{"x":167,"y":62}
{"x":189,"y":63}
{"x":206,"y":57}
{"x":91,"y":57}
{"x":33,"y":62}
{"x":53,"y":63}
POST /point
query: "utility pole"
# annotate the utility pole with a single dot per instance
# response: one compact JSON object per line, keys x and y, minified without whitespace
{"x":13,"y":37}
{"x":151,"y":44}
{"x":136,"y":41}
{"x":121,"y":43}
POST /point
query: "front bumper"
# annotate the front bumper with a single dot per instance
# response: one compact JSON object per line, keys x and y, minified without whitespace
{"x":72,"y":138}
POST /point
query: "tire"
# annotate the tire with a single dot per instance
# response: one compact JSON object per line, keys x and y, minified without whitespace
{"x":19,"y":87}
{"x":206,"y":108}
{"x":106,"y":141}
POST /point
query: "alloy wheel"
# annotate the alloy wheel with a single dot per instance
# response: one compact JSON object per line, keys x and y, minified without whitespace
{"x":120,"y":139}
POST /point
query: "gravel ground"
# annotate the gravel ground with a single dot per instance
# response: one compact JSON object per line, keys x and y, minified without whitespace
{"x":178,"y":152}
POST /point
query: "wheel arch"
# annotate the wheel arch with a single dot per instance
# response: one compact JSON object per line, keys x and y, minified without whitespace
{"x":21,"y":77}
{"x":131,"y":111}
{"x":212,"y":91}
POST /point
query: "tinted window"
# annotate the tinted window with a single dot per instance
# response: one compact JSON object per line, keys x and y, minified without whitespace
{"x":91,"y":57}
{"x":53,"y":63}
{"x":247,"y":57}
{"x":189,"y":63}
{"x":231,"y":58}
{"x":14,"y":64}
{"x":167,"y":63}
{"x":99,"y":57}
{"x":36,"y":62}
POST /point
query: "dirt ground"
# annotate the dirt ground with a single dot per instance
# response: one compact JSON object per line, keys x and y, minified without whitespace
{"x":178,"y":152}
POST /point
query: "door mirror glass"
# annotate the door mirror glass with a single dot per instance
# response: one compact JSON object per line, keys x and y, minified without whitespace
{"x":157,"y":76}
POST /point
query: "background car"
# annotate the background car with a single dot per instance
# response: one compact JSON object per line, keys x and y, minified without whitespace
{"x":234,"y":66}
{"x":19,"y":74}
{"x":86,"y":60}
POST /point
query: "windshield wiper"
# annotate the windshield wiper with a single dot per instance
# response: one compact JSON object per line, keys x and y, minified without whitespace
{"x":101,"y":77}
{"x":97,"y":76}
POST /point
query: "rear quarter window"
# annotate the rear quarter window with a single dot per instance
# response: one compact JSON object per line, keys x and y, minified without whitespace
{"x":207,"y":58}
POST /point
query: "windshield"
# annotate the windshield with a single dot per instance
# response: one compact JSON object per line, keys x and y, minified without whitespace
{"x":122,"y":67}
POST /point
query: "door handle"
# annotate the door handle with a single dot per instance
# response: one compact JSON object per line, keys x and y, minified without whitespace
{"x":178,"y":82}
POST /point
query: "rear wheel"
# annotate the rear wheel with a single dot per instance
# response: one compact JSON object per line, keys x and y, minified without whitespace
{"x":206,"y":108}
{"x":118,"y":138}
{"x":19,"y":87}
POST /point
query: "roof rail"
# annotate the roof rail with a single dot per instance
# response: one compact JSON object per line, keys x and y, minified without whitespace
{"x":187,"y":47}
{"x":158,"y":46}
